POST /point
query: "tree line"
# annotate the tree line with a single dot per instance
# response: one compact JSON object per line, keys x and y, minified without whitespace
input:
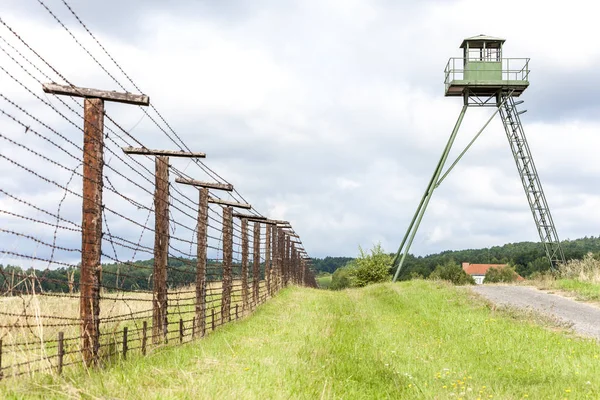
{"x":525,"y":257}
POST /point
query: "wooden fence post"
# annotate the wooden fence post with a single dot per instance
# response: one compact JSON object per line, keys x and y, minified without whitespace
{"x":91,"y":233}
{"x":280,"y":255}
{"x":245,"y":296}
{"x":256,"y":263}
{"x":268,"y":268}
{"x":201,"y":261}
{"x":227,"y":261}
{"x":125,"y":346}
{"x":287,"y":257}
{"x":61,"y":351}
{"x":181,"y":330}
{"x":91,"y":225}
{"x":144,"y":337}
{"x":161,"y":249}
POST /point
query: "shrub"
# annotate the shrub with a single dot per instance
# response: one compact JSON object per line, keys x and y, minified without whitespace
{"x":341,"y":278}
{"x":452,"y":272}
{"x":505,"y":274}
{"x":371,"y":268}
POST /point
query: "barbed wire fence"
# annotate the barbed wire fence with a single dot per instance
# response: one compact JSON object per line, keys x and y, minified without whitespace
{"x":102,"y":252}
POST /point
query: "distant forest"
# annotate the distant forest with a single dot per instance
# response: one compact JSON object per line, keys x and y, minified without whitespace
{"x":117,"y":276}
{"x":527,"y":257}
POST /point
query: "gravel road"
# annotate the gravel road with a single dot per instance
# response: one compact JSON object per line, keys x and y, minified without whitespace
{"x":585,"y":319}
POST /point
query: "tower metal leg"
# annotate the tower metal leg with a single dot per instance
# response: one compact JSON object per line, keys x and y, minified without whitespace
{"x":416,"y":221}
{"x":531,"y":181}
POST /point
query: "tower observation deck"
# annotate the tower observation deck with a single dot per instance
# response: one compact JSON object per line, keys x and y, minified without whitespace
{"x":482,"y":70}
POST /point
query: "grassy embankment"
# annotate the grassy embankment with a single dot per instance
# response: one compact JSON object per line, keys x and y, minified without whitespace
{"x":416,"y":340}
{"x":579,"y":278}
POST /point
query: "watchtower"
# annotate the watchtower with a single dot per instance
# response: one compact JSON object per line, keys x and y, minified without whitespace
{"x":482,"y":71}
{"x":484,"y":78}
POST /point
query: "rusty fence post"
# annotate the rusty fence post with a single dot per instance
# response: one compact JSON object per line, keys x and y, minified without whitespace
{"x":201,"y":261}
{"x":227,"y":261}
{"x":91,"y":229}
{"x":280,"y":251}
{"x":91,"y":225}
{"x":245,"y":295}
{"x":161,"y":249}
{"x":287,"y":257}
{"x":268,"y":268}
{"x":256,"y":263}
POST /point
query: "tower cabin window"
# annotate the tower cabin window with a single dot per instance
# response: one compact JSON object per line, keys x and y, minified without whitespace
{"x":487,"y":52}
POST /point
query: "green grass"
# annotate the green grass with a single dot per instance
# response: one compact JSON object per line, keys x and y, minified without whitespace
{"x":582,"y":290}
{"x":412,"y":340}
{"x":324,"y":281}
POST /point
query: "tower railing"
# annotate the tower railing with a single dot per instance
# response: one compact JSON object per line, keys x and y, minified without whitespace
{"x":507,"y":69}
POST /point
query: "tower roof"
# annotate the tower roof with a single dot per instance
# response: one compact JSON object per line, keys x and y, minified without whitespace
{"x":477,"y":41}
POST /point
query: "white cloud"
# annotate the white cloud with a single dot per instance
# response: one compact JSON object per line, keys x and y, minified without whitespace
{"x":331,"y":114}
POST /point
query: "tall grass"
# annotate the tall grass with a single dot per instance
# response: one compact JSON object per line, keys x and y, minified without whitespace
{"x":585,"y":270}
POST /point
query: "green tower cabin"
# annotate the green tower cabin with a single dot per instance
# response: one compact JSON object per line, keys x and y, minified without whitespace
{"x":484,"y":78}
{"x":482,"y":71}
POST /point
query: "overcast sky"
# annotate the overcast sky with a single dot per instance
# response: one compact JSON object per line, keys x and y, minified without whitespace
{"x":331,"y":114}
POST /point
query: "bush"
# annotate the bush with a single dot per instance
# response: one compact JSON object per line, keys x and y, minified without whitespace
{"x":341,"y":278}
{"x":371,"y":268}
{"x":501,"y":275}
{"x":452,"y":272}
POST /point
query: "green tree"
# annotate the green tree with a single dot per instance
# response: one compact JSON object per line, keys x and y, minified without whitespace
{"x":371,"y":268}
{"x":501,"y":275}
{"x":452,"y":272}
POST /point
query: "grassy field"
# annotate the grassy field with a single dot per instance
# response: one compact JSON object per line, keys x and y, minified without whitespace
{"x":324,"y":280}
{"x":30,"y":343}
{"x":412,"y":340}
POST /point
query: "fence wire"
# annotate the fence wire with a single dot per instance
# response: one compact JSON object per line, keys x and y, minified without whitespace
{"x":219,"y":265}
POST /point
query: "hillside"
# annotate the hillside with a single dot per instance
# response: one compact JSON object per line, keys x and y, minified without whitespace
{"x":410,"y":340}
{"x":527,"y":257}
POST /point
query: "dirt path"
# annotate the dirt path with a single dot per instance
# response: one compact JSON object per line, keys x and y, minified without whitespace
{"x":585,"y":319}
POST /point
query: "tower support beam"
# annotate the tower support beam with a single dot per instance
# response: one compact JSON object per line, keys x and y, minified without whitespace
{"x":416,"y":220}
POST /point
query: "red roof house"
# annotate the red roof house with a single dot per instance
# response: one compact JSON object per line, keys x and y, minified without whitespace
{"x":478,"y":271}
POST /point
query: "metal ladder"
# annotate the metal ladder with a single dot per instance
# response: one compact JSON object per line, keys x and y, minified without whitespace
{"x":531,"y":181}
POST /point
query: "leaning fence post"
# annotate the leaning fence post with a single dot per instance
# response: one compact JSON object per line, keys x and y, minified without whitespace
{"x":61,"y":351}
{"x":144,"y":337}
{"x":125,"y":346}
{"x":227,"y":260}
{"x":256,"y":263}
